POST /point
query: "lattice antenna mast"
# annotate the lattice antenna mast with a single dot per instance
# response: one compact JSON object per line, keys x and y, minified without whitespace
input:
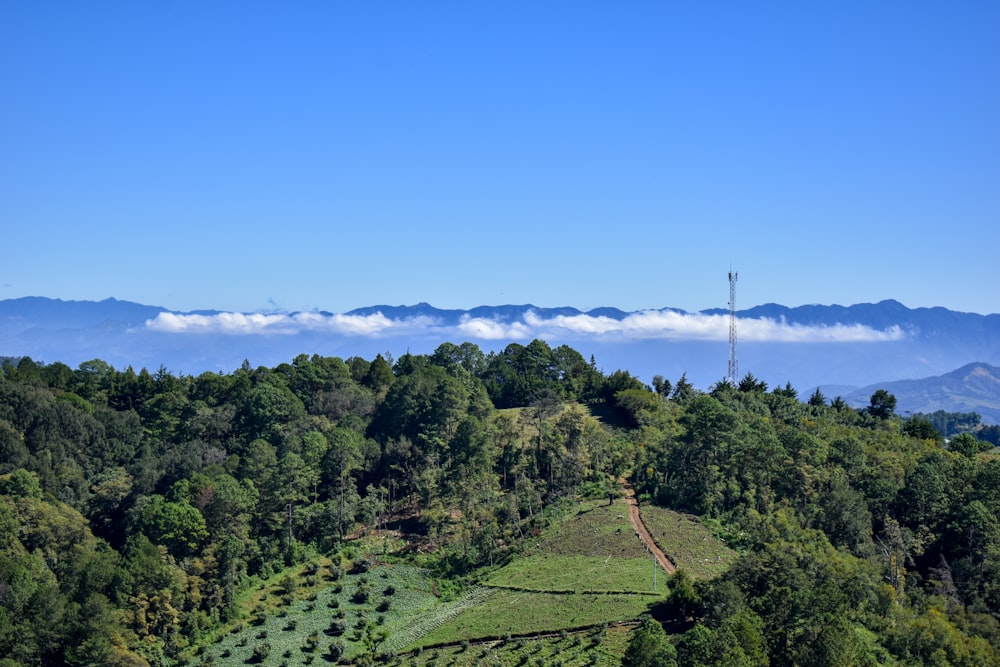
{"x":733,"y":365}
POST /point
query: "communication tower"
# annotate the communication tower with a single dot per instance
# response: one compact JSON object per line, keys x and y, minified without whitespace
{"x":733,"y":366}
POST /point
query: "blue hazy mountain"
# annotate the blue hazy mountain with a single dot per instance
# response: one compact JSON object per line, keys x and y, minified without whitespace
{"x":929,"y":342}
{"x":972,"y":388}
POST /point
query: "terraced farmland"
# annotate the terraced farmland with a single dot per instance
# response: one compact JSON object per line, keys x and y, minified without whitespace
{"x":585,"y":571}
{"x":597,"y":647}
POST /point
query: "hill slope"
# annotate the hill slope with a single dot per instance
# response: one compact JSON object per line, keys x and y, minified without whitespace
{"x":972,"y":388}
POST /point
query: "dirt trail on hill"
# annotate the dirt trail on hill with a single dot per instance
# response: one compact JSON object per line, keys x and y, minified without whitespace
{"x":643,"y":532}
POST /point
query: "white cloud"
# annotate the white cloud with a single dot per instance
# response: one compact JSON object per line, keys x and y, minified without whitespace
{"x":251,"y":324}
{"x":485,"y":329}
{"x":229,"y":323}
{"x":644,"y":325}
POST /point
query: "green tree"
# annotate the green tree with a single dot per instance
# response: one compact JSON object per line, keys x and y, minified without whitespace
{"x":817,"y":399}
{"x":648,"y":646}
{"x":176,"y":525}
{"x":882,"y":404}
{"x":967,"y":445}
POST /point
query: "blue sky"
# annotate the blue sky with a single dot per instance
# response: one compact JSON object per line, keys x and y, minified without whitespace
{"x":270,"y":156}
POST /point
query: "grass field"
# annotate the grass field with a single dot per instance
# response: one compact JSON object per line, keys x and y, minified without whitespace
{"x":591,"y":549}
{"x":689,"y":545}
{"x":594,"y":529}
{"x":580,"y":574}
{"x":520,"y":612}
{"x":586,"y":569}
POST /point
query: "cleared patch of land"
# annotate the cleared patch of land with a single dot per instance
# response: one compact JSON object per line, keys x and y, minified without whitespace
{"x":598,"y":648}
{"x":593,"y":549}
{"x":519,"y":612}
{"x":551,"y":605}
{"x":689,"y":544}
{"x":580,"y":574}
{"x":594,"y":529}
{"x":588,"y":568}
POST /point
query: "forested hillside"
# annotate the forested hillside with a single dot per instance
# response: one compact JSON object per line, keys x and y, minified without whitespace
{"x":139,"y":511}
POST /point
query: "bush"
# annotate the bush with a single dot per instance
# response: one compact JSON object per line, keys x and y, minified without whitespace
{"x":336,"y":650}
{"x":260,"y":652}
{"x":361,"y":595}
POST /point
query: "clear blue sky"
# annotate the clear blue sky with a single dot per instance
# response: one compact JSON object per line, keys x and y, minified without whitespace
{"x":331,"y":155}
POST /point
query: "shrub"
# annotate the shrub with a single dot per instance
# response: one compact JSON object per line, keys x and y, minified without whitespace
{"x":260,"y":652}
{"x":336,"y":650}
{"x":361,"y":595}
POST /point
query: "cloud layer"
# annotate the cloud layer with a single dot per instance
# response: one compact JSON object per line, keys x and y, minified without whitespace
{"x":644,"y":325}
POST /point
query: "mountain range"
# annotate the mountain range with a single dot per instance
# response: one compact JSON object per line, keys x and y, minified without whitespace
{"x":845,"y":350}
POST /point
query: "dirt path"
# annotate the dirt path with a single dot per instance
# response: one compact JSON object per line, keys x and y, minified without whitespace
{"x":643,"y":532}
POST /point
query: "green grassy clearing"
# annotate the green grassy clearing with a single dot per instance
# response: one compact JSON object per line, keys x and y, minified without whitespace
{"x":689,"y":545}
{"x":595,"y":529}
{"x":557,"y":573}
{"x":591,"y":549}
{"x":586,"y":569}
{"x":511,"y":612}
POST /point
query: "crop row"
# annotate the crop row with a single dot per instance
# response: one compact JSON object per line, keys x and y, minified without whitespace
{"x":436,"y":617}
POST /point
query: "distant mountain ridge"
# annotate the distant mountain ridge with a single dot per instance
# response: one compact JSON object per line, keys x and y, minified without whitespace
{"x":974,"y":387}
{"x":931,"y":342}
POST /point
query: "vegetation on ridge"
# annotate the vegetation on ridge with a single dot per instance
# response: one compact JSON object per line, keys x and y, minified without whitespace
{"x":312,"y":511}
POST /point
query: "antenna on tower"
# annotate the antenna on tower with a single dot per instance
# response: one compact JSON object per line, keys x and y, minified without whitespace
{"x":733,"y":366}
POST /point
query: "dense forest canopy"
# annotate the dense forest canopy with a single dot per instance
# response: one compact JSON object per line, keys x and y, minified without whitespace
{"x":136,"y":506}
